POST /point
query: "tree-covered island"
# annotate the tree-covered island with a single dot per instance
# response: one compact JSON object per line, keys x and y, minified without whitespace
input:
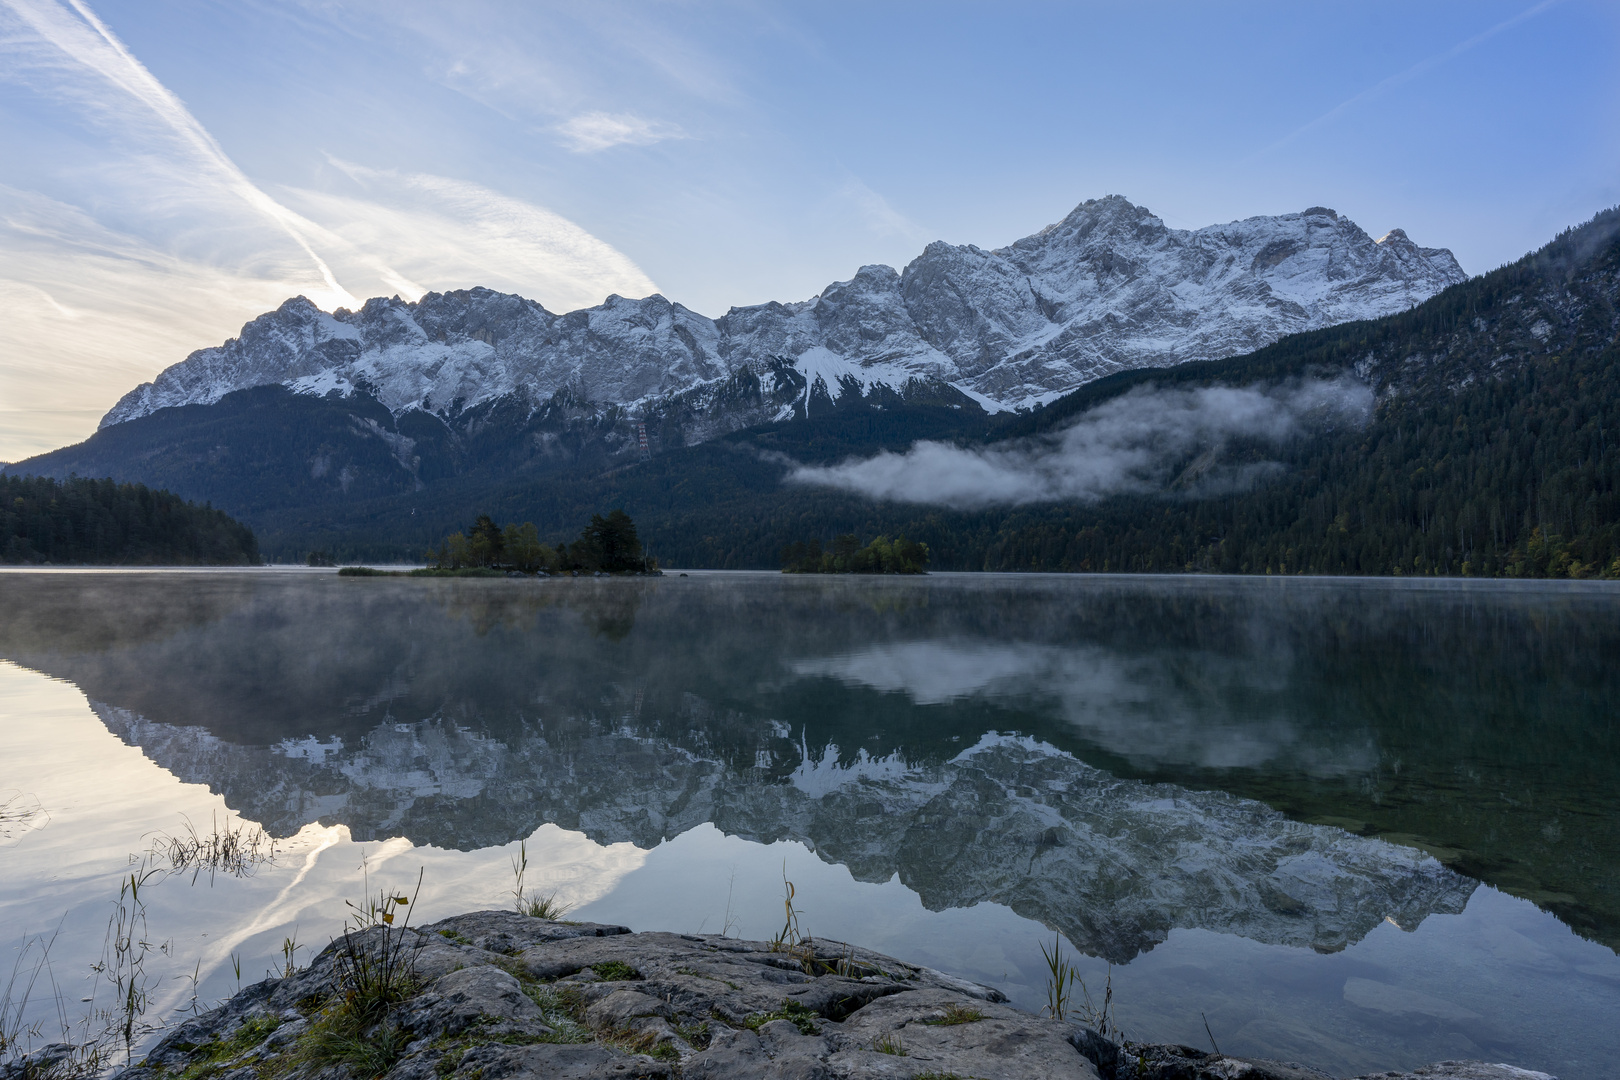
{"x":608,"y":544}
{"x":847,"y":556}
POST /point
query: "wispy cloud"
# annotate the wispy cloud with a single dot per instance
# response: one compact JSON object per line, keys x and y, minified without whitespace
{"x":593,"y":131}
{"x":1129,"y":444}
{"x":81,"y":36}
{"x":91,"y":311}
{"x":1420,"y":68}
{"x":878,"y":215}
{"x":1184,"y":706}
{"x":452,"y":234}
{"x":153,"y":242}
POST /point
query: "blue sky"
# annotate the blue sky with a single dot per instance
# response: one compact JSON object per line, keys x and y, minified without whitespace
{"x":173,"y":167}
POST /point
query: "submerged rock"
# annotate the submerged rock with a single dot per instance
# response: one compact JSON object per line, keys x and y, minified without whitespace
{"x":493,"y":995}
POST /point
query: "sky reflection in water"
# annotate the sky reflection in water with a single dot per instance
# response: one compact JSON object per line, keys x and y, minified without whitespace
{"x":1194,"y":779}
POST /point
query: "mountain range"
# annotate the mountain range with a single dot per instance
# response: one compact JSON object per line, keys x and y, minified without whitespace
{"x":1108,"y":288}
{"x":310,"y":422}
{"x":1465,"y":435}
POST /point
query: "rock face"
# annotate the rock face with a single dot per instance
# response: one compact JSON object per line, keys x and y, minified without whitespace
{"x":497,"y":994}
{"x":492,"y":995}
{"x":1108,"y":288}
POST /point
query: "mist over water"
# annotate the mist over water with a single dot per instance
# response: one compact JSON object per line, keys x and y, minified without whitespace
{"x":1132,"y":444}
{"x":1265,"y":801}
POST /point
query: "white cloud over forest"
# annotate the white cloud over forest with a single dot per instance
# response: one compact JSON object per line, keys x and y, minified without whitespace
{"x":1130,"y":444}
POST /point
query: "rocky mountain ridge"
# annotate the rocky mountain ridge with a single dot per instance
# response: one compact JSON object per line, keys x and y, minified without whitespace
{"x":1108,"y":288}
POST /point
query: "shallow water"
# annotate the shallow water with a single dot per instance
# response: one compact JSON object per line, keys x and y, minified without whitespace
{"x":1362,"y":824}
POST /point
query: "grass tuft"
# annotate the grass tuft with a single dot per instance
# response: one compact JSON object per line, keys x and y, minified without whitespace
{"x":210,"y":1058}
{"x":890,"y":1044}
{"x":802,"y":1016}
{"x":539,"y":907}
{"x":545,"y":907}
{"x":615,"y":971}
{"x":1060,"y":979}
{"x":640,"y":1042}
{"x":366,"y":1053}
{"x":562,"y":1008}
{"x":378,"y":974}
{"x":955,"y":1013}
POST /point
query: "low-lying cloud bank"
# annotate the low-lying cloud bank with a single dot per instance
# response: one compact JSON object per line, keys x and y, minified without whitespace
{"x":1129,"y":444}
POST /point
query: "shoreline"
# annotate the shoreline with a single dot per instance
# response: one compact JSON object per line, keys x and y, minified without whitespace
{"x":490,"y":995}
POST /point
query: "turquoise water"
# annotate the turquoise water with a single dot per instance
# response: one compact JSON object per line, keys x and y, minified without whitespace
{"x":1359,"y":824}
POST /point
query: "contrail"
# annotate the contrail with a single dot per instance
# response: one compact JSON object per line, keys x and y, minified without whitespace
{"x":110,"y":59}
{"x":1405,"y":76}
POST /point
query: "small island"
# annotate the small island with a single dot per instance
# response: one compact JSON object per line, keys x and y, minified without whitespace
{"x":847,"y":556}
{"x":607,"y":545}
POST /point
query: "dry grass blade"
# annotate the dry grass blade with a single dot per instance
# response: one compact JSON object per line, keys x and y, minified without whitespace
{"x":1060,"y":979}
{"x":20,"y":813}
{"x":890,"y":1044}
{"x":123,"y":962}
{"x":16,"y":1035}
{"x":237,"y":851}
{"x":1100,"y":1018}
{"x":379,"y":971}
{"x":792,"y":940}
{"x":539,"y":907}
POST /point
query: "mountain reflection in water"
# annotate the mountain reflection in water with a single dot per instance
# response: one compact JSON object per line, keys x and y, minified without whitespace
{"x":1113,"y":757}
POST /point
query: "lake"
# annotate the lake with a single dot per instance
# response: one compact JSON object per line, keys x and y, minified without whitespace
{"x":1363,"y":824}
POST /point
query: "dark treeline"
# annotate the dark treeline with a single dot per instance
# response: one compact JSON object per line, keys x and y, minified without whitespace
{"x":607,"y":543}
{"x":102,"y":522}
{"x":1487,"y":455}
{"x":1465,"y":469}
{"x":848,"y":556}
{"x":1510,"y":478}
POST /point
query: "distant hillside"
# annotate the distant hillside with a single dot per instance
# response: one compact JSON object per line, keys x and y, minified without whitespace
{"x":101,"y":522}
{"x":1486,"y":453}
{"x":308,"y":414}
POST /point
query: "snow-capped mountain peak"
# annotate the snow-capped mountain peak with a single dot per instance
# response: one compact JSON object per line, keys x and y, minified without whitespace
{"x":1109,"y":287}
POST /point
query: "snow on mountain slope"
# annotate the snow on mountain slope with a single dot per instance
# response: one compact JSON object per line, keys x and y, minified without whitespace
{"x":1110,"y":287}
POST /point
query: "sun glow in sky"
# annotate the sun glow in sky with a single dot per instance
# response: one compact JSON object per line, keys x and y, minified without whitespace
{"x":174,"y":169}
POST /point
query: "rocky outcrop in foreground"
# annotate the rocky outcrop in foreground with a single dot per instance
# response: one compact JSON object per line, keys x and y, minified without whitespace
{"x":497,"y":995}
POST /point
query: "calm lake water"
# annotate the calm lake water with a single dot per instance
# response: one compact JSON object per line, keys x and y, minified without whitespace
{"x":1361,"y":824}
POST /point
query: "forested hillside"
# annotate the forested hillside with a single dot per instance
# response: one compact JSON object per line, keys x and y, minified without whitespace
{"x":1487,"y":454}
{"x":101,"y":522}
